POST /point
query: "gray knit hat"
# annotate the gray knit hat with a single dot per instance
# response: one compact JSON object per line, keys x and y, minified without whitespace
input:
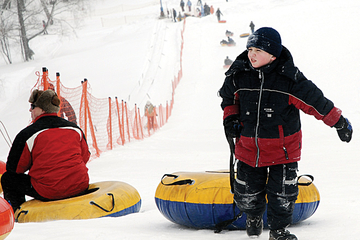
{"x":46,"y":100}
{"x":267,"y":39}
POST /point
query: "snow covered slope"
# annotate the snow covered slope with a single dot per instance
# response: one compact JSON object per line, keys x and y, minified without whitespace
{"x":124,"y":46}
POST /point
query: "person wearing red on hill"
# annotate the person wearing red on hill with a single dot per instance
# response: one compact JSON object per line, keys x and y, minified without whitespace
{"x":65,"y":108}
{"x":53,"y":150}
{"x":150,"y":114}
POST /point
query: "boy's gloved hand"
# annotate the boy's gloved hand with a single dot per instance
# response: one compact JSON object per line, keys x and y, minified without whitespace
{"x":232,"y":126}
{"x":344,"y":129}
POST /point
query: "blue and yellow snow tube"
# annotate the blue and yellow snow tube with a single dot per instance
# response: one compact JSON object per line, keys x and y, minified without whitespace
{"x":104,"y":199}
{"x":203,"y":200}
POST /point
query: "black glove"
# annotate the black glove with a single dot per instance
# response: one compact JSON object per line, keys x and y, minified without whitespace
{"x":232,"y":126}
{"x":344,"y":129}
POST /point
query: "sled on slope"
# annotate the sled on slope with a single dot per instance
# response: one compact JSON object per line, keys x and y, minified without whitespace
{"x":244,"y":35}
{"x":228,"y":43}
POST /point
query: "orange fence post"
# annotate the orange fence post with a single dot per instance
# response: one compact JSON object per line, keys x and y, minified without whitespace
{"x":109,"y":128}
{"x":156,"y":126}
{"x":161,"y":115}
{"x":58,"y":90}
{"x":140,"y":125}
{"x":58,"y":84}
{"x":167,"y":111}
{"x":45,"y":82}
{"x":122,"y":120}
{"x":127,"y":122}
{"x":136,"y":126}
{"x":92,"y":131}
{"x":85,"y":116}
{"x":83,"y":109}
{"x":148,"y":120}
{"x":121,"y":129}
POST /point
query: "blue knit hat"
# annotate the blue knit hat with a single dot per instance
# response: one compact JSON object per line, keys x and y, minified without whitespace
{"x":267,"y":39}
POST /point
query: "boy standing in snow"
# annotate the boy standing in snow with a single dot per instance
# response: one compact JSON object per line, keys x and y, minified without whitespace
{"x":261,"y":97}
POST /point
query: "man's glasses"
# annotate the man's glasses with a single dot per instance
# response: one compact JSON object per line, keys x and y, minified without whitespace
{"x":33,"y":106}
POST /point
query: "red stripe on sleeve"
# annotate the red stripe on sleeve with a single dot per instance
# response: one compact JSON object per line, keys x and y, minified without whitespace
{"x":230,"y":110}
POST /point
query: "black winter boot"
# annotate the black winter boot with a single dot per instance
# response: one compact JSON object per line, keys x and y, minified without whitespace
{"x":254,"y":226}
{"x":281,"y":234}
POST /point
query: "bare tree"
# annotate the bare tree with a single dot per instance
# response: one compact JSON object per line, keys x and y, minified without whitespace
{"x":29,"y":17}
{"x":6,"y":4}
{"x":27,"y":52}
{"x":5,"y":28}
{"x":46,"y":10}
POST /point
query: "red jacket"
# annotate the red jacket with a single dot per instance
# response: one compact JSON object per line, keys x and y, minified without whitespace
{"x":55,"y":152}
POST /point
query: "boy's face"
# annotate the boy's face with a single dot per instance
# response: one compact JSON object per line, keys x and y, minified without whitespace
{"x":259,"y":58}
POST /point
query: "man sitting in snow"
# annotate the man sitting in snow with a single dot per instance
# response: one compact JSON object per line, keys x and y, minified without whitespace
{"x":52,"y":149}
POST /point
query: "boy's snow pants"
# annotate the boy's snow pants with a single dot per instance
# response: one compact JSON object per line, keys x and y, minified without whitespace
{"x":278,"y":182}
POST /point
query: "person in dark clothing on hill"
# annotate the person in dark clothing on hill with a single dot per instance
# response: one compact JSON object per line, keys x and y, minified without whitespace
{"x":218,"y":13}
{"x":228,"y":61}
{"x":252,"y":26}
{"x":52,"y":150}
{"x":261,"y":97}
{"x":182,"y":5}
{"x":174,"y":14}
{"x":206,"y":9}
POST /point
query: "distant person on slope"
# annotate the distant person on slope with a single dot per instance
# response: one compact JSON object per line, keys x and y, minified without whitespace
{"x":53,"y":150}
{"x":150,"y":113}
{"x":261,"y":97}
{"x":174,"y":14}
{"x":228,"y":61}
{"x":218,"y":13}
{"x":206,"y":9}
{"x":189,"y":5}
{"x":44,"y":26}
{"x":252,"y":26}
{"x":182,"y":5}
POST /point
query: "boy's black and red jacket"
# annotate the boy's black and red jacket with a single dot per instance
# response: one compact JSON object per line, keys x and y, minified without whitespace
{"x":267,"y":102}
{"x":55,"y":153}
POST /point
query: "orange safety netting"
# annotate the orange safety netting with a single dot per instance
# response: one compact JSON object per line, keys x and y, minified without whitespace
{"x":107,"y":122}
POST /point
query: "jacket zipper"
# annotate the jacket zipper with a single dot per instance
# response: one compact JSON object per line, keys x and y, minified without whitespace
{"x":261,"y":78}
{"x":282,"y":138}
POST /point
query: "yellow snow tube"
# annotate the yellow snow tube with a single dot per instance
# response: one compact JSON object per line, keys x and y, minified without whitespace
{"x":203,"y":200}
{"x":104,"y":199}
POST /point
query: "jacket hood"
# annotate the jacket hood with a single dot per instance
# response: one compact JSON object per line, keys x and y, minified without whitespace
{"x":283,"y":65}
